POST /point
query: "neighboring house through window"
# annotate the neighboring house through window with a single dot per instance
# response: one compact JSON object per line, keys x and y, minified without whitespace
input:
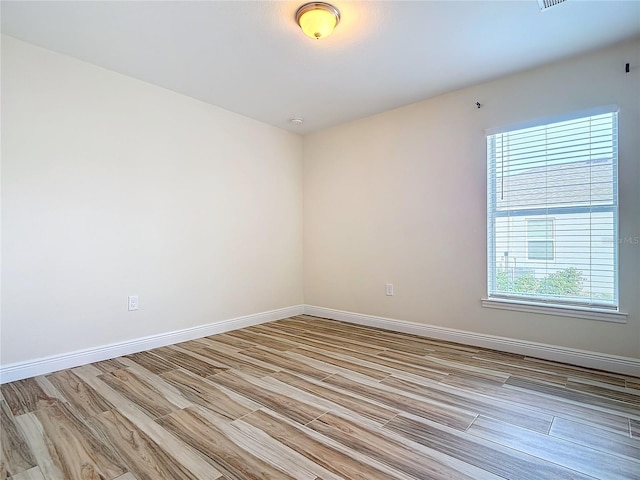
{"x":552,"y":213}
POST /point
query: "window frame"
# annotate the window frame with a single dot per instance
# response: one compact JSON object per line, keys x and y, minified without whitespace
{"x":543,"y":306}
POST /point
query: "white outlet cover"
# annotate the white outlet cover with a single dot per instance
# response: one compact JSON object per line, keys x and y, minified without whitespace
{"x":133,"y":302}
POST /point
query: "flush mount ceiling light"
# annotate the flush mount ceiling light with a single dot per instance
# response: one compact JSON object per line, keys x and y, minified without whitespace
{"x":547,"y":4}
{"x":317,"y":19}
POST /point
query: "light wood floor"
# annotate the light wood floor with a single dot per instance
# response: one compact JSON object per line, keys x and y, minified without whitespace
{"x":312,"y":399}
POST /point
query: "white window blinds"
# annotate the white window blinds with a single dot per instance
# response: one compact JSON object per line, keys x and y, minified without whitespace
{"x":552,"y":201}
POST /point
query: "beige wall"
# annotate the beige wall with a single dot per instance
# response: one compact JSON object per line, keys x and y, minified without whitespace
{"x":112,"y":187}
{"x":400,"y":197}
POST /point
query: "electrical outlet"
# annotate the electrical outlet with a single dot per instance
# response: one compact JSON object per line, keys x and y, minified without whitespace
{"x":133,"y":302}
{"x":389,"y":289}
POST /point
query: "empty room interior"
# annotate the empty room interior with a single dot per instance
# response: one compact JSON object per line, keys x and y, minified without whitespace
{"x":319,"y":241}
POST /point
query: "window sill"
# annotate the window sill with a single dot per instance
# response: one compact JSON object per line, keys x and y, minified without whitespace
{"x":558,"y":310}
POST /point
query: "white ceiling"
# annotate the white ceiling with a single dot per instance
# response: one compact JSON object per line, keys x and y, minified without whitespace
{"x":250,"y":57}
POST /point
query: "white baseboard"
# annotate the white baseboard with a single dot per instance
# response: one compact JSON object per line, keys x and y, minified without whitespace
{"x":41,"y":366}
{"x":583,"y":358}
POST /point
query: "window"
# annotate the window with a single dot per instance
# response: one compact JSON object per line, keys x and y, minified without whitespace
{"x":540,"y":239}
{"x":552,"y":225}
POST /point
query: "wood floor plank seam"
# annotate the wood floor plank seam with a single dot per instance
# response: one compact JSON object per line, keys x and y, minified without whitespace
{"x":614,"y":388}
{"x":396,"y":451}
{"x":503,"y":461}
{"x":561,"y":452}
{"x":540,"y":403}
{"x":349,"y":400}
{"x":591,"y":436}
{"x":189,"y":457}
{"x":499,"y":409}
{"x":313,"y":444}
{"x":588,"y":372}
{"x":576,"y":397}
{"x":408,"y":402}
{"x":15,"y":455}
{"x":281,"y":453}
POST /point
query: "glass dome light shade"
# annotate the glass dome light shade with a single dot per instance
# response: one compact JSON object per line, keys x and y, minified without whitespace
{"x":317,"y":19}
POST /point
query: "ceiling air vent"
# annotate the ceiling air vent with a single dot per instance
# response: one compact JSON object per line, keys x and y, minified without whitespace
{"x":547,"y":4}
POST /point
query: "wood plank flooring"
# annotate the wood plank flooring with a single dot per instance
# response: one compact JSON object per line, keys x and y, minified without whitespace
{"x":307,"y":398}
